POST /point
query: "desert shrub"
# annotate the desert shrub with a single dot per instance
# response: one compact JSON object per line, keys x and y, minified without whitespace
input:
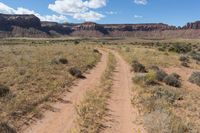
{"x":195,"y":56}
{"x":96,"y":51}
{"x":138,"y":67}
{"x":4,"y":90}
{"x":150,"y":78}
{"x":195,"y":78}
{"x":76,"y":72}
{"x":185,"y":64}
{"x":127,"y":49}
{"x":154,"y":68}
{"x":172,"y":81}
{"x":145,"y":78}
{"x":176,"y":75}
{"x":162,"y":48}
{"x":63,"y":61}
{"x":139,"y":78}
{"x":180,"y":48}
{"x":5,"y":128}
{"x":160,"y":121}
{"x":76,"y":42}
{"x":60,"y":61}
{"x":184,"y":58}
{"x":160,"y":75}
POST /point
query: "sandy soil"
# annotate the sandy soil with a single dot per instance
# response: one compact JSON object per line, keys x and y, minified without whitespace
{"x":62,"y":120}
{"x":122,"y":114}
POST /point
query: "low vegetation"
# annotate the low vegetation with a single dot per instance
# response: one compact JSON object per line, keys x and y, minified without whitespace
{"x":172,"y":80}
{"x":138,"y":67}
{"x":32,"y":75}
{"x":164,"y":104}
{"x":5,"y":128}
{"x":195,"y":78}
{"x":92,"y":110}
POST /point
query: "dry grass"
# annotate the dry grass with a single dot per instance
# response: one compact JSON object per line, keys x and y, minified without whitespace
{"x":92,"y":110}
{"x":149,"y":56}
{"x":32,"y":76}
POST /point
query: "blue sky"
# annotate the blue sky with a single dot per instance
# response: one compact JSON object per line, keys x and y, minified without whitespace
{"x":173,"y":12}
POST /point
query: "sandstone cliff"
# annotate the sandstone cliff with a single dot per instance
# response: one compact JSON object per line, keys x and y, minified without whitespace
{"x":31,"y":26}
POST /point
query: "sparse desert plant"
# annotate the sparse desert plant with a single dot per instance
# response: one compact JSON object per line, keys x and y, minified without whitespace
{"x":4,"y":90}
{"x":195,"y":78}
{"x":76,"y":42}
{"x":96,"y":51}
{"x":154,"y":68}
{"x":145,"y":78}
{"x":63,"y":61}
{"x":150,"y":78}
{"x":74,"y":71}
{"x":184,"y":58}
{"x":139,"y":78}
{"x":171,"y":80}
{"x":162,"y":48}
{"x":185,"y":64}
{"x":195,"y":55}
{"x":60,"y":61}
{"x":127,"y":49}
{"x":180,"y":48}
{"x":5,"y":128}
{"x":160,"y":121}
{"x":160,"y":75}
{"x":176,"y":75}
{"x":138,"y":67}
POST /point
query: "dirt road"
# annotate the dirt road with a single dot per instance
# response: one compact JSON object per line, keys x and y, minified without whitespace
{"x":62,"y":120}
{"x":122,"y":114}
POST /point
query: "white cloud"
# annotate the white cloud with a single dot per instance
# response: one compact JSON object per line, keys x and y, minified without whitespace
{"x":6,"y":9}
{"x":111,"y":13}
{"x":88,"y":16}
{"x":54,"y":18}
{"x":141,"y":2}
{"x":94,"y":4}
{"x":138,"y":16}
{"x":20,"y":10}
{"x":79,"y":9}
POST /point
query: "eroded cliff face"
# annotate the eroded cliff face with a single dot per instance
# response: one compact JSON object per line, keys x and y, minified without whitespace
{"x":194,"y":25}
{"x":24,"y":21}
{"x":31,"y":26}
{"x":21,"y":26}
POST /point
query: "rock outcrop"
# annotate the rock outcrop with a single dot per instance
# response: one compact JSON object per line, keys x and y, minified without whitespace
{"x":24,"y":21}
{"x":195,"y":25}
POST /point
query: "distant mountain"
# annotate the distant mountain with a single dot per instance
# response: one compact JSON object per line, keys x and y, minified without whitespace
{"x":31,"y":26}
